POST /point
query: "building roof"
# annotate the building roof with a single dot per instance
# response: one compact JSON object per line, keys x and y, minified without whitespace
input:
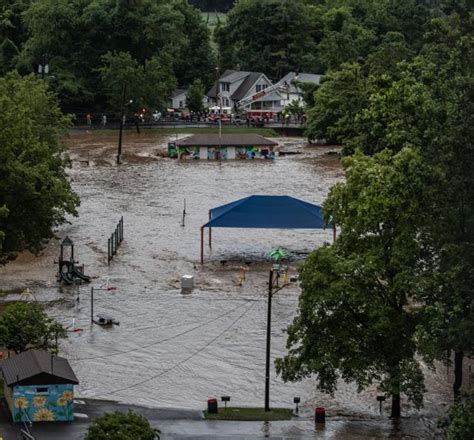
{"x":231,"y":76}
{"x":177,"y":92}
{"x":24,"y":367}
{"x":268,"y":212}
{"x":226,"y":139}
{"x":244,"y":88}
{"x":302,"y":77}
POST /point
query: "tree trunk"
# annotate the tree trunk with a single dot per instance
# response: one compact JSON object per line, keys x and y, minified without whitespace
{"x":396,"y":411}
{"x":458,"y":361}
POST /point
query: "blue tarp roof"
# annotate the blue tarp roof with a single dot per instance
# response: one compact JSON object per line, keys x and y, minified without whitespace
{"x":269,"y":212}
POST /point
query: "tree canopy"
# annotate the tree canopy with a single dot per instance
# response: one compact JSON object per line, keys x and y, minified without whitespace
{"x":26,"y":325}
{"x":355,"y":320}
{"x":35,"y":194}
{"x":120,"y":426}
{"x":402,"y":100}
{"x":75,"y":38}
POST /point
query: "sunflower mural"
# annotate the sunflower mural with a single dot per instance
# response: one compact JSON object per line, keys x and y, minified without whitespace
{"x":43,"y":415}
{"x":39,"y":387}
{"x":36,"y":404}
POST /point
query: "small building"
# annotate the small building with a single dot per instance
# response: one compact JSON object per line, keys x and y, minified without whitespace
{"x":177,"y":100}
{"x":39,"y":387}
{"x":225,"y":147}
{"x":294,"y":93}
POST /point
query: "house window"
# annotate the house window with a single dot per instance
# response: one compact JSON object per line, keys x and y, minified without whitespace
{"x":42,"y":390}
{"x":225,"y":87}
{"x":181,"y":104}
{"x":258,"y":88}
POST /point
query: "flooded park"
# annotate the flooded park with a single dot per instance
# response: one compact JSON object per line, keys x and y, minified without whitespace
{"x":177,"y":350}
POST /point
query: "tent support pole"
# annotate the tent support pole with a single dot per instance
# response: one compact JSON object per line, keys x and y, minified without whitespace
{"x":210,"y":232}
{"x":202,"y":244}
{"x":334,"y":232}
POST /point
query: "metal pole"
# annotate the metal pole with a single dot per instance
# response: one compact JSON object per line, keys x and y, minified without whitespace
{"x":202,"y":245}
{"x":119,"y":151}
{"x":210,"y":232}
{"x":269,"y":325}
{"x":92,"y":305}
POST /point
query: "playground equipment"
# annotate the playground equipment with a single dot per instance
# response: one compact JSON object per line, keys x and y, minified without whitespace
{"x":68,"y":272}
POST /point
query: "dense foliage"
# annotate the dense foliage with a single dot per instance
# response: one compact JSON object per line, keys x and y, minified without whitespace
{"x":279,"y":36}
{"x":26,"y":325}
{"x":35,"y":194}
{"x":403,"y":262}
{"x":213,"y":5}
{"x":355,"y":320}
{"x":120,"y":426}
{"x":461,"y":420}
{"x":165,"y":42}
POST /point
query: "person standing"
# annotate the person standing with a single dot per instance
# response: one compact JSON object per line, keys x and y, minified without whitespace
{"x":89,"y":119}
{"x":104,"y":120}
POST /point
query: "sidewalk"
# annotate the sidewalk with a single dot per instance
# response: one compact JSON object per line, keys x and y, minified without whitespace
{"x":182,"y":424}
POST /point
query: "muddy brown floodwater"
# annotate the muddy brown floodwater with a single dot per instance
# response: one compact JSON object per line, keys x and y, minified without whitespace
{"x":175,"y":350}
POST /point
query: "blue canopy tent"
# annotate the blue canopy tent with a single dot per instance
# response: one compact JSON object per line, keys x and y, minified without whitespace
{"x":265,"y":212}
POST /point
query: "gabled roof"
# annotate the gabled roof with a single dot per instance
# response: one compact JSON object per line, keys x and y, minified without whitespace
{"x":244,"y":88}
{"x":177,"y":92}
{"x":302,"y":77}
{"x":24,"y":367}
{"x":231,"y":76}
{"x":268,"y":212}
{"x":226,"y":139}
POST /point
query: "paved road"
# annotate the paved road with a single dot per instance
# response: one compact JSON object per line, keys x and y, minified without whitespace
{"x":179,"y":424}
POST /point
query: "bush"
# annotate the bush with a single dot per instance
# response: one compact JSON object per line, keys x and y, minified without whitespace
{"x":120,"y":426}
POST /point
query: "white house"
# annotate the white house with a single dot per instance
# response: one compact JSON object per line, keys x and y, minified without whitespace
{"x":177,"y":100}
{"x":234,"y":86}
{"x":294,"y":93}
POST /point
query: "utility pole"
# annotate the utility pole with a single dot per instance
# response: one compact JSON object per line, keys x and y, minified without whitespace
{"x":119,"y":152}
{"x":92,"y":305}
{"x":269,"y":327}
{"x":219,"y":103}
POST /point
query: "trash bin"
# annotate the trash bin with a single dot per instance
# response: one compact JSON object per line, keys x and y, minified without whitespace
{"x":319,"y":415}
{"x":212,"y":406}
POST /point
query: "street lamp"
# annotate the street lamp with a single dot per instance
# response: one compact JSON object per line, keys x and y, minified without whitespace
{"x":119,"y":151}
{"x":269,"y":327}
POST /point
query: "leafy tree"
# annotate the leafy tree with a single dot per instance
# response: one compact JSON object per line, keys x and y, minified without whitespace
{"x":12,"y":32}
{"x":26,"y":325}
{"x":294,"y":108}
{"x":33,"y":184}
{"x":147,"y":86}
{"x":194,"y":96}
{"x":344,"y":39}
{"x":271,"y":36}
{"x":355,"y":317}
{"x":308,"y":89}
{"x":119,"y":426}
{"x":461,"y":422}
{"x":75,"y":35}
{"x":385,"y":58}
{"x":337,"y":101}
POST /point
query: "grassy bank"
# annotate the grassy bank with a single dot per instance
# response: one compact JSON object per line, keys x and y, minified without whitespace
{"x":250,"y":414}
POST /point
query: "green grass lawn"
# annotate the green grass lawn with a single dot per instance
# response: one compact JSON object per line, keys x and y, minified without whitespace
{"x":250,"y":414}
